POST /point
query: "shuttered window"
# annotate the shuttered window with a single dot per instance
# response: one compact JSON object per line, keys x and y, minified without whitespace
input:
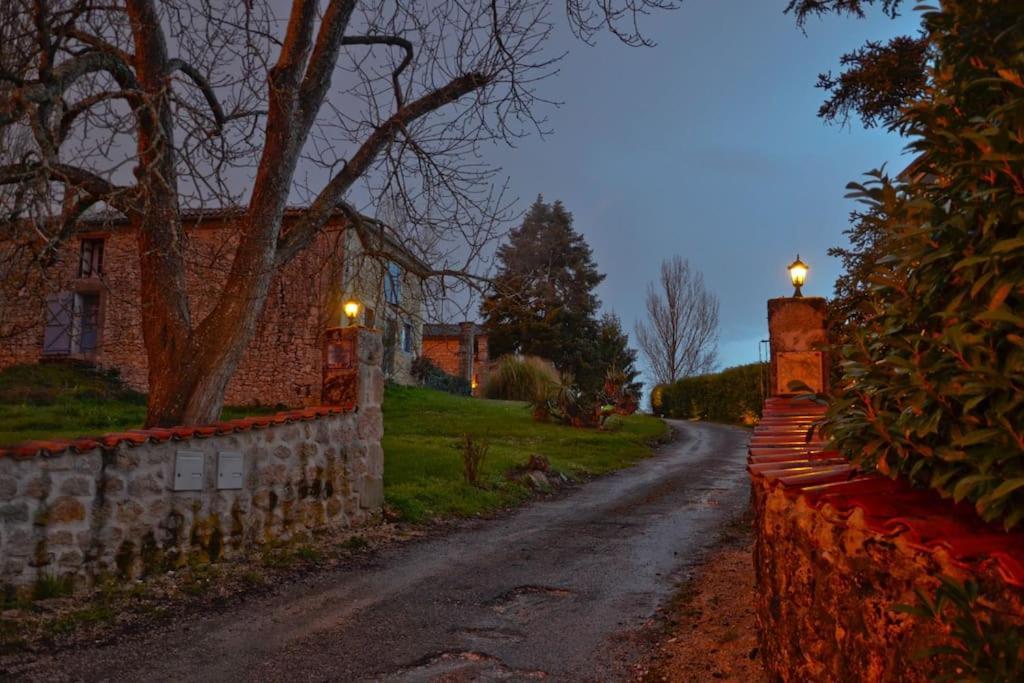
{"x":59,"y":317}
{"x":393,"y":283}
{"x":90,"y":263}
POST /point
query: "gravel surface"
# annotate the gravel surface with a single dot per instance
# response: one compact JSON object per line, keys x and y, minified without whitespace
{"x":710,"y":627}
{"x":552,"y":591}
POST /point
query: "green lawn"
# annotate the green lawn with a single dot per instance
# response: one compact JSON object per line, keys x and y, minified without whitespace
{"x":423,"y":461}
{"x":63,"y":400}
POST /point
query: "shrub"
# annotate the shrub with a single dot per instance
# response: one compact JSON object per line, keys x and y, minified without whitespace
{"x":521,"y":378}
{"x":619,"y":393}
{"x":932,"y":380}
{"x":731,"y":396}
{"x":474,"y":453}
{"x":429,"y":375}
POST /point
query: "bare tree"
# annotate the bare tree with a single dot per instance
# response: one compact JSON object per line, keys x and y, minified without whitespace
{"x":153,"y":108}
{"x":680,"y":335}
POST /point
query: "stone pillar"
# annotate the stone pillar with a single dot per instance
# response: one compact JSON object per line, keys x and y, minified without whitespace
{"x":466,"y":359}
{"x":797,"y":335}
{"x":352,"y":374}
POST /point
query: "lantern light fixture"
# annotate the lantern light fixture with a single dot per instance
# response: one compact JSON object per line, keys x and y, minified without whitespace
{"x":798,"y":275}
{"x":351,"y":309}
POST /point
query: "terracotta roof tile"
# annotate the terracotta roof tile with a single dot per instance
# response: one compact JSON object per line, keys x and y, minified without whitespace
{"x":136,"y":437}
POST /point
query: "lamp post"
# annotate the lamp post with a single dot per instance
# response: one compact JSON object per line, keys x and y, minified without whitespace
{"x":351,"y":309}
{"x":798,"y":275}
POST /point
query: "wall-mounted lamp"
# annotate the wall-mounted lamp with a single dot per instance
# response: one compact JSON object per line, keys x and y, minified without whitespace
{"x":351,"y":309}
{"x":798,"y":275}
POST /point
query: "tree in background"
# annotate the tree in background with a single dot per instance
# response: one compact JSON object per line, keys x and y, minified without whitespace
{"x":614,"y":353}
{"x":680,"y":335}
{"x":542,"y":300}
{"x":621,"y":388}
{"x":877,"y":79}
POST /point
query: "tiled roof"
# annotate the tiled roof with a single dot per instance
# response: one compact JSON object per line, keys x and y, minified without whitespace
{"x":138,"y":437}
{"x":448,"y":330}
{"x":785,"y":452}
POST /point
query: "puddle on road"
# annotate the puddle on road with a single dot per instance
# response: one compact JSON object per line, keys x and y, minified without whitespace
{"x":461,"y":666}
{"x":522,"y":601}
{"x":492,"y":634}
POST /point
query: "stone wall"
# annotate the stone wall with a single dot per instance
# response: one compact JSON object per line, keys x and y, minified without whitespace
{"x":837,"y":552}
{"x":101,"y":507}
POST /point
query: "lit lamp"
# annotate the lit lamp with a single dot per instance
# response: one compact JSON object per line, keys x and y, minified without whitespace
{"x":798,"y":275}
{"x":351,"y":309}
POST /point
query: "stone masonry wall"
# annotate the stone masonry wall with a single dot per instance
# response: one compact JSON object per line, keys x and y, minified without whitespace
{"x":828,"y":587}
{"x":95,"y":508}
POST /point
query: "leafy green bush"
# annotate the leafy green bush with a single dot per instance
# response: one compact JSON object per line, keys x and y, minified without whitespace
{"x":733,"y":396}
{"x":521,"y":378}
{"x":433,"y":377}
{"x":932,"y":384}
{"x":985,"y":644}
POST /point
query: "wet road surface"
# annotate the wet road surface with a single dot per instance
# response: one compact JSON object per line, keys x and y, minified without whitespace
{"x":546,"y":592}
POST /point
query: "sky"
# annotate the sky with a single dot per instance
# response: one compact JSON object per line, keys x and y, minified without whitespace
{"x":707,"y":145}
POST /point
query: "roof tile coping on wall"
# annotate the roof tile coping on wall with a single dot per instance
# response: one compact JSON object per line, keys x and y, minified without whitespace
{"x":786,"y":452}
{"x":137,"y":437}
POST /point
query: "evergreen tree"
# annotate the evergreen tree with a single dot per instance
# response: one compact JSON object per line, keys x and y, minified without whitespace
{"x":542,"y":301}
{"x":613,"y":353}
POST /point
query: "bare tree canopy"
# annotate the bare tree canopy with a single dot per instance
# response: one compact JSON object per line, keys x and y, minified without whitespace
{"x":151,"y":108}
{"x":680,"y":335}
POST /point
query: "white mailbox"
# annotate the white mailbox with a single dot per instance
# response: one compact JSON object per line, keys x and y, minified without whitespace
{"x":188,"y":471}
{"x":229,"y":470}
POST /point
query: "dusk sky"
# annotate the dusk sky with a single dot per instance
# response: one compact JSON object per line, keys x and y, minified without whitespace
{"x":708,"y":146}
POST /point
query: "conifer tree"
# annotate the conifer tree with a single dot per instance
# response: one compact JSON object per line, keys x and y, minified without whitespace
{"x":542,"y":301}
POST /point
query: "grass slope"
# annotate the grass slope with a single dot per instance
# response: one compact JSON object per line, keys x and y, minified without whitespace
{"x":423,"y":460}
{"x":68,"y":400}
{"x":422,"y":434}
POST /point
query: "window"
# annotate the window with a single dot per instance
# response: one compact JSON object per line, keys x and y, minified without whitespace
{"x":369,"y":317}
{"x":87,"y":313}
{"x":407,"y":339}
{"x":393,"y":283}
{"x":57,"y":332}
{"x":72,"y":323}
{"x":90,"y":262}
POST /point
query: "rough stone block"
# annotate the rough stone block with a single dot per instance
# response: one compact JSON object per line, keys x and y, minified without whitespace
{"x":14,"y":512}
{"x":372,"y":492}
{"x":66,"y":510}
{"x":39,"y":486}
{"x":370,"y":424}
{"x":76,"y":486}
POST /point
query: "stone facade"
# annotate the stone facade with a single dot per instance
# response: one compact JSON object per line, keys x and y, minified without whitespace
{"x":281,"y":365}
{"x":103,"y":507}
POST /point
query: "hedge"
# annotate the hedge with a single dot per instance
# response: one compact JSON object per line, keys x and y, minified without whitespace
{"x":732,"y":396}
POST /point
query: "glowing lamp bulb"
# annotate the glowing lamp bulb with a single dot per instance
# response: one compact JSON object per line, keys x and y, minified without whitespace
{"x":351,"y":310}
{"x":798,"y":275}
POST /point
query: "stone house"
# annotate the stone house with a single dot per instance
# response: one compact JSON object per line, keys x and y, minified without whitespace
{"x":460,"y":350}
{"x":90,"y":308}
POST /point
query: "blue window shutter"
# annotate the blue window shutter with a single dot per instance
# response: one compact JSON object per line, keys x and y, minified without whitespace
{"x":57,"y":331}
{"x":393,"y":283}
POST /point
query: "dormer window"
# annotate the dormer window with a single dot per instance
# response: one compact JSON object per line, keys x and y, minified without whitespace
{"x":90,"y":262}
